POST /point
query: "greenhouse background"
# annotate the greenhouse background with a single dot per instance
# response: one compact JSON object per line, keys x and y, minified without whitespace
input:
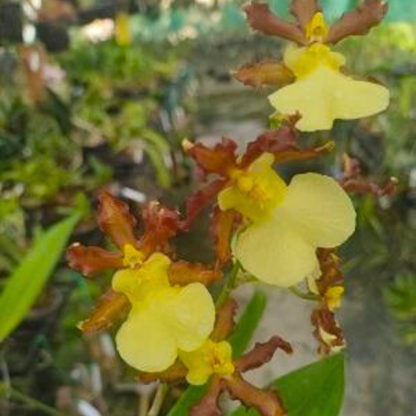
{"x":102,"y":93}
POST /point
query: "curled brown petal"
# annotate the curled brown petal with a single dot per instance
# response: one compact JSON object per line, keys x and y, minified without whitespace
{"x":208,"y":406}
{"x":220,"y":159}
{"x":353,"y":182}
{"x":224,"y":322}
{"x":182,"y":273}
{"x":324,"y":319}
{"x":198,"y":201}
{"x":331,"y":273}
{"x":161,"y":224}
{"x":272,"y":141}
{"x":111,"y":306}
{"x":262,"y":353}
{"x":358,"y":21}
{"x":307,"y":154}
{"x":174,"y":373}
{"x":265,"y":401}
{"x":92,"y":260}
{"x":304,"y":10}
{"x":367,"y":187}
{"x":262,"y":19}
{"x":267,"y":72}
{"x":222,"y":227}
{"x":115,"y":219}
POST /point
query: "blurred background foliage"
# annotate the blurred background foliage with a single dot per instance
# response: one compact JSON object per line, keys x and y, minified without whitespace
{"x":101,"y":93}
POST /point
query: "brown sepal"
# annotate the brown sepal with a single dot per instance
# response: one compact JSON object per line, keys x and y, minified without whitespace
{"x":307,"y":154}
{"x":116,"y":220}
{"x":161,"y":224}
{"x":91,"y":260}
{"x":265,"y":401}
{"x":183,"y":273}
{"x":273,"y":141}
{"x":358,"y":21}
{"x":199,"y":200}
{"x":353,"y":182}
{"x":264,"y":73}
{"x":111,"y":306}
{"x":224,"y":322}
{"x":220,"y":159}
{"x":331,"y":273}
{"x":223,"y":224}
{"x":174,"y":373}
{"x":262,"y":19}
{"x":304,"y":10}
{"x":209,"y":406}
{"x":325,"y":319}
{"x":262,"y":353}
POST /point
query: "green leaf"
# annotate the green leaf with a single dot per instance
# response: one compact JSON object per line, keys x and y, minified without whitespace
{"x":26,"y":282}
{"x":239,"y":341}
{"x":314,"y":390}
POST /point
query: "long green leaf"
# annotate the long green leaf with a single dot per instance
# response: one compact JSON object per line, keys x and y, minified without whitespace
{"x":26,"y":282}
{"x":239,"y":341}
{"x":314,"y":390}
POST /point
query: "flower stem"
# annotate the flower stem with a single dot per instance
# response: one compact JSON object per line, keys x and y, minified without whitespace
{"x":29,"y":401}
{"x":161,"y":392}
{"x":300,"y":294}
{"x":229,"y":285}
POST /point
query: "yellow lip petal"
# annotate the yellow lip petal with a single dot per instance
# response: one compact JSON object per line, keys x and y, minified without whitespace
{"x":326,"y":95}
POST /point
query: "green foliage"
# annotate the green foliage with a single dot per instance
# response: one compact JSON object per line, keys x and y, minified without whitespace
{"x":314,"y":390}
{"x":401,"y":299}
{"x":27,"y":281}
{"x":239,"y":340}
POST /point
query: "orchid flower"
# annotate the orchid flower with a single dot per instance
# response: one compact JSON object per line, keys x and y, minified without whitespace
{"x":213,"y":363}
{"x":319,"y":90}
{"x":170,"y":310}
{"x":284,"y":224}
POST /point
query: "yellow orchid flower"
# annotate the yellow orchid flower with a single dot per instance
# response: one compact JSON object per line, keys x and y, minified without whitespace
{"x":164,"y":319}
{"x":279,"y":246}
{"x":211,"y":358}
{"x":321,"y":92}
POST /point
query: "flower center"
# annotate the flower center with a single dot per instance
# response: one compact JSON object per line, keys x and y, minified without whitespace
{"x":251,"y":185}
{"x":317,"y":31}
{"x":333,"y":297}
{"x":219,"y":358}
{"x":132,"y":257}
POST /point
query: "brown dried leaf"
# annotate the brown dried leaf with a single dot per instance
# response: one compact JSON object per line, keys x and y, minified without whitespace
{"x":183,"y":273}
{"x":265,"y":401}
{"x":304,"y":10}
{"x":92,"y":260}
{"x":224,"y":322}
{"x":262,"y":19}
{"x":358,"y":21}
{"x":262,"y":353}
{"x":267,"y":72}
{"x":111,"y":306}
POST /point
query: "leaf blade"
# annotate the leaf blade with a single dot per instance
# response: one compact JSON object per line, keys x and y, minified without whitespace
{"x":305,"y":391}
{"x":26,"y":282}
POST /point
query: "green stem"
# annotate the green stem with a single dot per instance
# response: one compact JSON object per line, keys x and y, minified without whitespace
{"x":230,"y":284}
{"x":30,"y":401}
{"x":161,"y":392}
{"x":300,"y":294}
